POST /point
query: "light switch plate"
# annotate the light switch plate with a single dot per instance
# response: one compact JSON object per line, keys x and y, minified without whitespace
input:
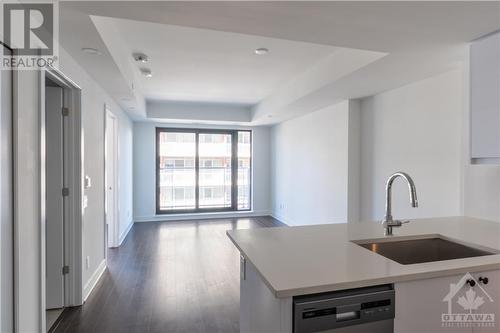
{"x":87,"y":183}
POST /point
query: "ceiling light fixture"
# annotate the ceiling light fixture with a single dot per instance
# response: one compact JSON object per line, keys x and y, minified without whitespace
{"x":146,"y":72}
{"x":140,"y":57}
{"x":91,"y":50}
{"x":261,"y":51}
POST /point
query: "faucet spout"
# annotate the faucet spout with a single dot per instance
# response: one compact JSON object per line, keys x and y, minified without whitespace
{"x":388,"y":220}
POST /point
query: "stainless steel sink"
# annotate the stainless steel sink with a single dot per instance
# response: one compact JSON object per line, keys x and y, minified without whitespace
{"x":416,"y":251}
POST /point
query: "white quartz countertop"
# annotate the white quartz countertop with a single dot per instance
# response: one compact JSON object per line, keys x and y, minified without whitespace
{"x":311,"y":259}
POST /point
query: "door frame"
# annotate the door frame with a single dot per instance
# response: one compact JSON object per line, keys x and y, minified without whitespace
{"x":73,"y":233}
{"x":61,"y":124}
{"x":7,"y":302}
{"x":115,"y":237}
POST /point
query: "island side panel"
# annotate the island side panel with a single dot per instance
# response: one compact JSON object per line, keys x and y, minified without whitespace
{"x":260,"y":310}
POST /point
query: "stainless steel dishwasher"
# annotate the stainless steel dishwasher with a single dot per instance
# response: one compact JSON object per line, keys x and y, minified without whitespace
{"x":369,"y":309}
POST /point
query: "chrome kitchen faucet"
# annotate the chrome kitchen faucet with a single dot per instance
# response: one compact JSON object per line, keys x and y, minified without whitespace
{"x":388,"y":222}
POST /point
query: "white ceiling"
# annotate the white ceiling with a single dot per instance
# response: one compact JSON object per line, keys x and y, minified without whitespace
{"x":321,"y":52}
{"x":191,"y":64}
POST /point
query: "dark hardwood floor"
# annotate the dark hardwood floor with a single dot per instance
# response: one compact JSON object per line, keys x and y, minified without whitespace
{"x":168,"y":277}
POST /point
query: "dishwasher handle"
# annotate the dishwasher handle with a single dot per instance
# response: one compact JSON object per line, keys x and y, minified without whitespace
{"x":348,"y":312}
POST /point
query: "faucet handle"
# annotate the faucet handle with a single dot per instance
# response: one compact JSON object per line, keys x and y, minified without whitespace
{"x":398,"y":223}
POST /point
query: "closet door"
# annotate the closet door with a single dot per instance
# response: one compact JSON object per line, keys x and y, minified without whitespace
{"x":6,"y":204}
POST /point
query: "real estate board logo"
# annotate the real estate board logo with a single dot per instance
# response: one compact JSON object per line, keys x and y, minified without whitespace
{"x":29,"y":30}
{"x":465,"y":308}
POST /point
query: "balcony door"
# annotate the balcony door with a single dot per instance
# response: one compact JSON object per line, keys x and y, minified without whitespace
{"x":200,"y":170}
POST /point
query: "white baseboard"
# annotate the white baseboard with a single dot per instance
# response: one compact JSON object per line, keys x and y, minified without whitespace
{"x":280,"y":218}
{"x":125,"y":233}
{"x":199,"y":216}
{"x":89,"y":286}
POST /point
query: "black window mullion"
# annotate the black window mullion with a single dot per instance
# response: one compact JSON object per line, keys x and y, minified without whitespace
{"x":157,"y":152}
{"x":250,"y":170}
{"x":197,"y":172}
{"x":234,"y":170}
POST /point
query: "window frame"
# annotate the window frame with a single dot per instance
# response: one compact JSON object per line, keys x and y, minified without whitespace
{"x":234,"y":170}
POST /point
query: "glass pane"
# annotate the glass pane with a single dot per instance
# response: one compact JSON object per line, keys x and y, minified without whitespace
{"x":215,"y":170}
{"x":177,"y":152}
{"x":244,"y":153}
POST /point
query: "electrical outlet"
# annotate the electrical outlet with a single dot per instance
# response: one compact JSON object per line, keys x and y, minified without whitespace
{"x":87,"y":262}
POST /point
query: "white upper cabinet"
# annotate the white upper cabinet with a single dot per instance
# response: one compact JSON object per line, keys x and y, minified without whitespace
{"x":485,"y":98}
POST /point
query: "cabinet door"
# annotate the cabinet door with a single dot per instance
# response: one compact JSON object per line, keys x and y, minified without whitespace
{"x":485,"y":97}
{"x":490,"y":295}
{"x":420,"y":306}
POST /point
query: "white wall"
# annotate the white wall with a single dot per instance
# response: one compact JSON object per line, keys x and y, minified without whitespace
{"x":125,"y":181}
{"x":354,"y":160}
{"x":193,"y":111}
{"x":26,"y":127}
{"x":6,"y":203}
{"x":423,"y":128}
{"x":94,"y":99}
{"x":417,"y":129}
{"x":310,"y":167}
{"x":28,"y":189}
{"x":145,"y":169}
{"x":481,"y":190}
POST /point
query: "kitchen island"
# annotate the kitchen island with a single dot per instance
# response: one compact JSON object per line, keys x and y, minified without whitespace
{"x":280,"y":264}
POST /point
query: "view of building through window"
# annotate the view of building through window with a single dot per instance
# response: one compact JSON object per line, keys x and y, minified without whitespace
{"x":215,"y":181}
{"x":244,"y":171}
{"x":200,"y":170}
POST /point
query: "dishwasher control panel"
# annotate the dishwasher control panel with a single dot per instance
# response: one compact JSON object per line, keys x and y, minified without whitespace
{"x":338,"y":309}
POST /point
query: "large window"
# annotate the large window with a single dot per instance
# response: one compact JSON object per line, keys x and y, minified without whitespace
{"x":199,"y":170}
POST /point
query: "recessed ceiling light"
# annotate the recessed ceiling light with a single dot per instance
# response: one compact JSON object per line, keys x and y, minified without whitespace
{"x":146,"y":72}
{"x":140,"y":57}
{"x":91,"y":50}
{"x":261,"y":51}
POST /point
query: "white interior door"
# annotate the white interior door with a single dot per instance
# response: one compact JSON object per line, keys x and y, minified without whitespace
{"x":54,"y":199}
{"x":6,"y":204}
{"x":111,"y":186}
